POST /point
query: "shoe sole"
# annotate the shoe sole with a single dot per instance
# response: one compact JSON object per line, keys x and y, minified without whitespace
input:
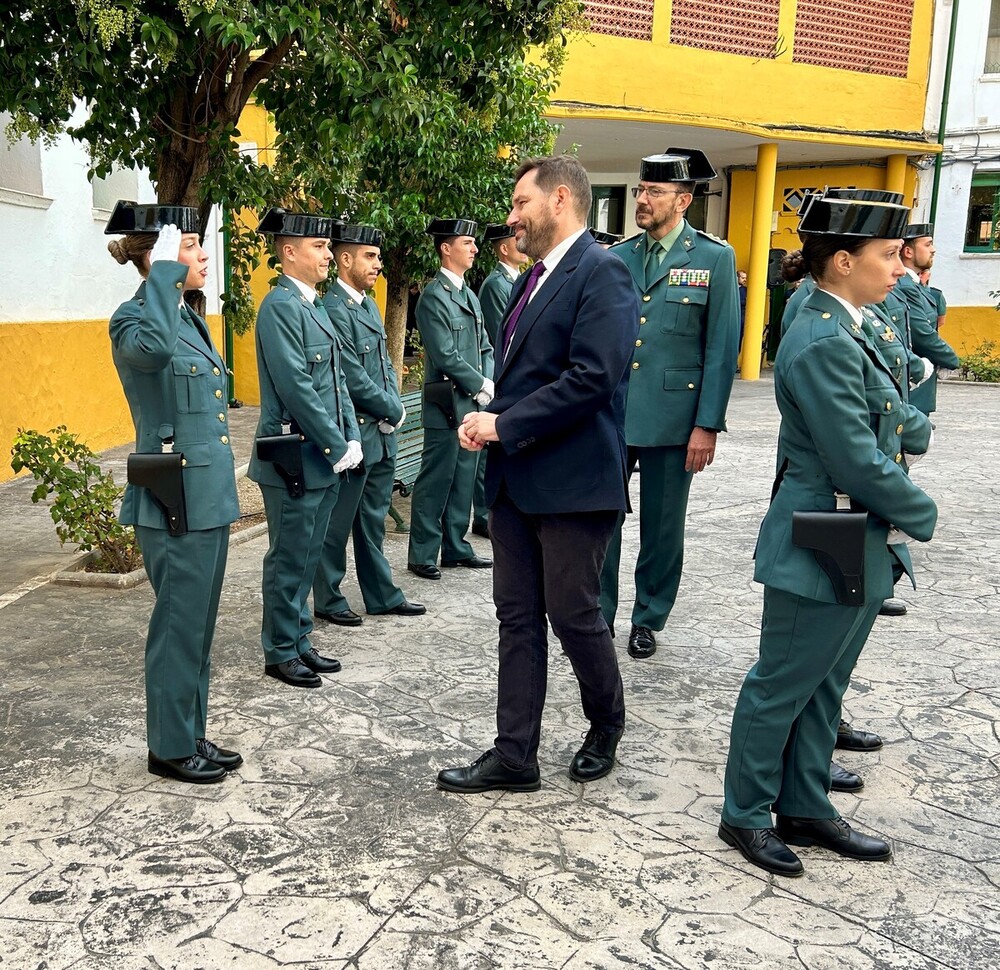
{"x":358,"y":622}
{"x":641,"y":654}
{"x":847,"y":791}
{"x":166,"y":773}
{"x":583,"y":781}
{"x":806,"y":841}
{"x":848,"y":746}
{"x":422,"y":576}
{"x":459,"y":790}
{"x":730,"y":841}
{"x":292,"y":683}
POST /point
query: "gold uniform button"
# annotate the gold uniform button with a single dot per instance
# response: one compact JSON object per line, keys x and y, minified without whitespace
{"x":826,"y":316}
{"x":635,"y":365}
{"x":685,"y":300}
{"x":899,"y":429}
{"x":361,"y":420}
{"x":216,"y":371}
{"x":646,"y":298}
{"x":691,"y":387}
{"x":194,"y":370}
{"x":218,"y":393}
{"x":898,"y":362}
{"x":224,"y":439}
{"x":184,"y":461}
{"x":221,"y":417}
{"x":326,"y":451}
{"x":888,"y":405}
{"x":899,"y":458}
{"x":638,"y":343}
{"x":179,"y":285}
{"x":319,"y":356}
{"x":642,"y":319}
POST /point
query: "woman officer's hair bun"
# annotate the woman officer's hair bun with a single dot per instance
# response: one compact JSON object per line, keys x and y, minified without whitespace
{"x":794,"y":266}
{"x":131,"y":248}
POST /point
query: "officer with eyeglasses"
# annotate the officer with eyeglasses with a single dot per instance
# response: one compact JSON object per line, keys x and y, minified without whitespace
{"x":680,"y":381}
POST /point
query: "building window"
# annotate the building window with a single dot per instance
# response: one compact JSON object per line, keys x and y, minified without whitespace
{"x":747,"y":27}
{"x":982,"y":231}
{"x":607,"y":212}
{"x":620,"y":18}
{"x":992,"y":63}
{"x":20,"y":162}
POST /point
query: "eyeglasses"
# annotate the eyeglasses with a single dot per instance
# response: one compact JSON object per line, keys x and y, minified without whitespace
{"x":654,"y":192}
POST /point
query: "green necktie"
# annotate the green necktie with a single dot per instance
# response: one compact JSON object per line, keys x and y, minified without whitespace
{"x":654,"y":257}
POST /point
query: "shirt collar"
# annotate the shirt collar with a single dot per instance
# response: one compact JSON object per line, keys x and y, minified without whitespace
{"x":555,"y":255}
{"x":512,"y":271}
{"x":855,"y":313}
{"x":356,"y":295}
{"x":667,"y":241}
{"x":913,"y":274}
{"x":454,"y":277}
{"x":304,"y":288}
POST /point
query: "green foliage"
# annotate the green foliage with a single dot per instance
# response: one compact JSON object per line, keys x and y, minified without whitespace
{"x":983,"y":364}
{"x":84,"y":505}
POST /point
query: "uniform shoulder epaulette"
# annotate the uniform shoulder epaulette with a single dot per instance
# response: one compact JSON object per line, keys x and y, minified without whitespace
{"x":712,"y":236}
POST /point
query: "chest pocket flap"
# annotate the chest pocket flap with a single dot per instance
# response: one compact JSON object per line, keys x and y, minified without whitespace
{"x":191,"y":378}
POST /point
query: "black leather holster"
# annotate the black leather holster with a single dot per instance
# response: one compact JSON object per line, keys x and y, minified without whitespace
{"x":284,"y":451}
{"x":837,"y":540}
{"x":161,"y":474}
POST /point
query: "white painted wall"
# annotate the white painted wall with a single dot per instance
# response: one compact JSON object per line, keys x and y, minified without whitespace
{"x":57,"y":266}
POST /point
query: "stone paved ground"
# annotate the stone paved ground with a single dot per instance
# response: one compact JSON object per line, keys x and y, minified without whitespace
{"x":331,"y":848}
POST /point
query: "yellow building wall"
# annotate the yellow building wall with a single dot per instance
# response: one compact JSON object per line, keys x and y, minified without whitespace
{"x":966,"y":327}
{"x":64,"y":375}
{"x":607,"y":76}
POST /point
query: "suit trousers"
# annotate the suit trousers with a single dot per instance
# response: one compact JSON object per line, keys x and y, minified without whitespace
{"x":362,"y":505}
{"x":664,"y":487}
{"x":186,"y":574}
{"x":786,"y":717}
{"x":442,"y":500}
{"x":296,"y":530}
{"x":480,"y":510}
{"x":550,"y":565}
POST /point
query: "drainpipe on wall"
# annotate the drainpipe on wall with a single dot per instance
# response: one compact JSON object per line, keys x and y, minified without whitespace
{"x":945,"y":94}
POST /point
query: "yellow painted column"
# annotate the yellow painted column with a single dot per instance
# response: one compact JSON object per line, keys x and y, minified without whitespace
{"x":760,"y":243}
{"x":895,"y":173}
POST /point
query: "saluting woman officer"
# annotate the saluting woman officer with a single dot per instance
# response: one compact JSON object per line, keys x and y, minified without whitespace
{"x":845,"y":426}
{"x":175,"y":383}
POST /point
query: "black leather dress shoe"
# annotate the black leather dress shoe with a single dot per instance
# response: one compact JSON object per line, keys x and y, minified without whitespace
{"x":762,"y":848}
{"x":405,"y":609}
{"x":489,"y":773}
{"x":843,"y":780}
{"x":641,"y":642}
{"x":470,"y":562}
{"x":479,"y":529}
{"x":195,"y":769}
{"x":834,"y":834}
{"x":294,"y":672}
{"x":423,"y":570}
{"x":221,"y":756}
{"x":343,"y":618}
{"x":318,"y":664}
{"x":597,"y":756}
{"x":892,"y":608}
{"x":849,"y":739}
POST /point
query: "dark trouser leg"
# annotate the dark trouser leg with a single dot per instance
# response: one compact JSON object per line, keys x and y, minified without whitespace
{"x":455,"y":522}
{"x":186,"y":574}
{"x":332,"y":565}
{"x":480,"y":510}
{"x":379,"y":591}
{"x":430,"y":494}
{"x":802,"y":642}
{"x":663,"y":499}
{"x":612,"y":559}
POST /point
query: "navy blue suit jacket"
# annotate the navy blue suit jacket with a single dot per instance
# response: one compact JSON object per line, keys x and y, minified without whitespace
{"x":560,"y":391}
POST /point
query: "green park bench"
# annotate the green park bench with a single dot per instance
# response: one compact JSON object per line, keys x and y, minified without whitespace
{"x":409,"y":448}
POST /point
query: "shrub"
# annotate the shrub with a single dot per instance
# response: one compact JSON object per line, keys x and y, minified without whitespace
{"x":983,"y":364}
{"x":85,"y":496}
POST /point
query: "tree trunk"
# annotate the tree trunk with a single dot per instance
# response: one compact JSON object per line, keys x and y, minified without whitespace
{"x":397,"y":287}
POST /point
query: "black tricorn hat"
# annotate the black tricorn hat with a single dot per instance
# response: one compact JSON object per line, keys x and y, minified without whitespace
{"x":866,"y":195}
{"x":698,"y":164}
{"x":362,"y":235}
{"x":605,"y":238}
{"x":451,"y":227}
{"x":917,"y":230}
{"x":310,"y":225}
{"x":665,"y":168}
{"x":821,"y":215}
{"x":129,"y":218}
{"x":497,"y":231}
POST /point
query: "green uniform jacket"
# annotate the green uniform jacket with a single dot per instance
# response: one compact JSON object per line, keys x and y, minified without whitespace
{"x":924,"y":338}
{"x":368,"y":371}
{"x":494,"y":295}
{"x":176,"y":386}
{"x":844,"y":427}
{"x":689,"y":325}
{"x":301,"y":380}
{"x":456,"y":346}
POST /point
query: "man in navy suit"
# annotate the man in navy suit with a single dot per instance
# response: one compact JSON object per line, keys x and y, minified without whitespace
{"x":555,"y":479}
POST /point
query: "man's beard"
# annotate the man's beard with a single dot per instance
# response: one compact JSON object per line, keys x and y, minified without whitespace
{"x":537,"y":241}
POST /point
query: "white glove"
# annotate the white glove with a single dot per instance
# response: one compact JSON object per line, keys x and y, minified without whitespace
{"x":385,"y":427}
{"x":945,"y":373}
{"x":928,"y":370}
{"x":911,"y":460}
{"x":167,"y":245}
{"x":484,"y":395}
{"x":356,"y":453}
{"x":344,"y":462}
{"x":898,"y":537}
{"x":402,"y":417}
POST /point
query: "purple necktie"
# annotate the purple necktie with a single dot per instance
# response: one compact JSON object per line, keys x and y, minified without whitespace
{"x":511,"y":325}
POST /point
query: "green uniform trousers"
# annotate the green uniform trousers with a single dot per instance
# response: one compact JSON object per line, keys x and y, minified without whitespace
{"x":442,"y":500}
{"x":186,"y":574}
{"x":480,"y":510}
{"x":786,"y":717}
{"x":663,"y":497}
{"x":296,"y":530}
{"x":362,"y":505}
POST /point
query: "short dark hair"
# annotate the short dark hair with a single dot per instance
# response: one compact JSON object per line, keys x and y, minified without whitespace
{"x":555,"y":170}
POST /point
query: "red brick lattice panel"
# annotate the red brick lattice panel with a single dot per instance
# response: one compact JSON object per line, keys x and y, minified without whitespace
{"x":748,"y":27}
{"x":621,"y":18}
{"x":870,"y":36}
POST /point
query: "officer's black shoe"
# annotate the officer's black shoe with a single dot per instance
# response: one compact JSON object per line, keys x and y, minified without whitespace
{"x":318,"y":664}
{"x":294,"y":672}
{"x":892,"y":608}
{"x":833,"y":834}
{"x":597,"y":756}
{"x":343,"y":618}
{"x":195,"y":769}
{"x":480,"y":529}
{"x":489,"y":773}
{"x":641,"y":642}
{"x":762,"y":848}
{"x":221,"y":756}
{"x":404,"y":609}
{"x":850,"y":739}
{"x":843,"y":780}
{"x":469,"y":562}
{"x":423,"y":570}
